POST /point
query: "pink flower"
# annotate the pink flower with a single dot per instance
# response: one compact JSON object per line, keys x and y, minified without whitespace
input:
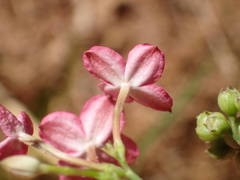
{"x":74,"y":134}
{"x":12,"y":127}
{"x":144,"y":67}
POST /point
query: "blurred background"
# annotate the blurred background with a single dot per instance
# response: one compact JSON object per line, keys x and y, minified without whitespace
{"x":41,"y":46}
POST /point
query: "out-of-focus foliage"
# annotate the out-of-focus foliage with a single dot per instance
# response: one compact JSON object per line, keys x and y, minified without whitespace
{"x":40,"y":66}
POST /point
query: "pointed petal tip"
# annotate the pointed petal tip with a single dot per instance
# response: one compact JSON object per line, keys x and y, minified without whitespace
{"x":153,"y":96}
{"x":26,"y":121}
{"x":9,"y":124}
{"x":170,"y":110}
{"x":170,"y":105}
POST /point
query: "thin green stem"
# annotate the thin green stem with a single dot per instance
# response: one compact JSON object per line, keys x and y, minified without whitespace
{"x":67,"y":171}
{"x":125,"y":171}
{"x":118,"y":144}
{"x":129,"y":173}
{"x":234,"y":124}
{"x":132,"y":175}
{"x":117,"y":112}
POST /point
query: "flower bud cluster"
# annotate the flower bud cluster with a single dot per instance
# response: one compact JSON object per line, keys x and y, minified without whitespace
{"x":221,"y":129}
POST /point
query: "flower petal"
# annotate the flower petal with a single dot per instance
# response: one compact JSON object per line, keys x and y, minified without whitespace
{"x":152,"y":96}
{"x":96,"y":117}
{"x":9,"y":124}
{"x":112,"y":91}
{"x":145,"y":65}
{"x":132,"y":151}
{"x":64,"y":131}
{"x":11,"y":146}
{"x":105,"y":64}
{"x":26,"y":121}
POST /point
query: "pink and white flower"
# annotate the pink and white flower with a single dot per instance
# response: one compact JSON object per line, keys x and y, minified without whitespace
{"x":74,"y":134}
{"x":143,"y":68}
{"x":12,"y":127}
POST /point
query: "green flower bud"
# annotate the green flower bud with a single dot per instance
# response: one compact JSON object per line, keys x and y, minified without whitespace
{"x":237,"y":103}
{"x":21,"y":165}
{"x":227,"y":101}
{"x":211,"y":125}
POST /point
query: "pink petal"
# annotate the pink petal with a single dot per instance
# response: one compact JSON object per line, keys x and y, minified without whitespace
{"x":145,"y":65}
{"x":152,"y":96}
{"x":26,"y":121}
{"x":105,"y":64}
{"x":9,"y":124}
{"x":105,"y":158}
{"x":11,"y":146}
{"x":132,"y":151}
{"x":96,"y":117}
{"x":64,"y":131}
{"x":73,"y":134}
{"x":112,"y":91}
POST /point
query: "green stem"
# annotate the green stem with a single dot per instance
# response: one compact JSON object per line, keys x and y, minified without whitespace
{"x":118,"y":144}
{"x":67,"y":171}
{"x":117,"y":112}
{"x":132,"y":175}
{"x":234,"y":124}
{"x":125,"y":171}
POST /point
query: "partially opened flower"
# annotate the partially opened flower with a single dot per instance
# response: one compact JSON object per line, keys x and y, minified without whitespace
{"x":76,"y":135}
{"x":143,"y":68}
{"x":12,"y":127}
